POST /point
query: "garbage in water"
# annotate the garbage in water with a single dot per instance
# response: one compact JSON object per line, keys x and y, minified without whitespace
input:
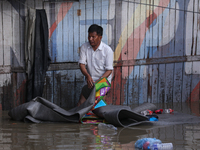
{"x":166,"y":111}
{"x":146,"y":112}
{"x":163,"y":146}
{"x":159,"y":111}
{"x":152,"y":117}
{"x":103,"y":126}
{"x":152,"y":144}
{"x":149,"y":114}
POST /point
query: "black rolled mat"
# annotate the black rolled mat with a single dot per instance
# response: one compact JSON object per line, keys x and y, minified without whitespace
{"x":121,"y":116}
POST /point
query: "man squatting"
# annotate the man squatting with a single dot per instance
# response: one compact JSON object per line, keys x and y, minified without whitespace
{"x":95,"y":62}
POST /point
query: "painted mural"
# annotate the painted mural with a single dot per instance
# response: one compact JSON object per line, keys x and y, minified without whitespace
{"x":165,"y":32}
{"x":148,"y":29}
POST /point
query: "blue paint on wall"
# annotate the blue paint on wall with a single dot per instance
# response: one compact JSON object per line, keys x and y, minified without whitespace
{"x":148,"y":49}
{"x":19,"y":6}
{"x":90,"y":21}
{"x":53,"y":46}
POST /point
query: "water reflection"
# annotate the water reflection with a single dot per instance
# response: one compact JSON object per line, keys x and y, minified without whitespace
{"x":24,"y":136}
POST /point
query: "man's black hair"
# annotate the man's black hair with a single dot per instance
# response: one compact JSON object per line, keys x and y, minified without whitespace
{"x":96,"y":28}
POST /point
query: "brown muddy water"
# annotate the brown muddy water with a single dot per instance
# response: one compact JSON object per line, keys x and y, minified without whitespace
{"x":16,"y":135}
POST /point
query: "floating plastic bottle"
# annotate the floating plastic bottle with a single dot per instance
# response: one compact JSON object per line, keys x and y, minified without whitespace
{"x":168,"y":111}
{"x":158,"y":111}
{"x":145,"y":142}
{"x":146,"y":112}
{"x":104,"y":126}
{"x":163,"y":146}
{"x":152,"y":144}
{"x":165,"y":111}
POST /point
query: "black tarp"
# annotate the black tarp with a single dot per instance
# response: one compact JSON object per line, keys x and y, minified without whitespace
{"x":40,"y":110}
{"x":36,"y":78}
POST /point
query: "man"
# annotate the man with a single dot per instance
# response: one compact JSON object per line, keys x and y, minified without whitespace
{"x":95,"y":62}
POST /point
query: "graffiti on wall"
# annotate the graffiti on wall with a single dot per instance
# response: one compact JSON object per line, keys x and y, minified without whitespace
{"x":151,"y":31}
{"x":142,"y":30}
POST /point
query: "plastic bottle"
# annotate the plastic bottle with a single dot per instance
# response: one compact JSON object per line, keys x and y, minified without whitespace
{"x":104,"y":126}
{"x":162,"y":146}
{"x":168,"y":111}
{"x":146,"y":142}
{"x":152,"y":144}
{"x":146,"y":112}
{"x":158,"y":111}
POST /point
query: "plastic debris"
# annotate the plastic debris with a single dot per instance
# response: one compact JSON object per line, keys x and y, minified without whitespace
{"x":152,"y":144}
{"x":104,"y":126}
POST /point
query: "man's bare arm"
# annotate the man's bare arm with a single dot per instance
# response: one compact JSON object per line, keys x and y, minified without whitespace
{"x":106,"y":74}
{"x":90,"y":81}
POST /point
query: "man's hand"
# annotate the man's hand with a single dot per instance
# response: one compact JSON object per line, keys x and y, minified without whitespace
{"x":90,"y":82}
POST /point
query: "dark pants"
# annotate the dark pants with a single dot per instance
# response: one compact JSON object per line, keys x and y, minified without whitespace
{"x":86,"y":91}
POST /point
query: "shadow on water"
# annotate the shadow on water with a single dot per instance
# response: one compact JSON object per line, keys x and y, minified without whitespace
{"x":52,"y":136}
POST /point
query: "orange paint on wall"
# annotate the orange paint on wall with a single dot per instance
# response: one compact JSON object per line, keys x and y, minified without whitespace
{"x":195,"y":93}
{"x":195,"y":107}
{"x":18,"y":93}
{"x":64,"y":8}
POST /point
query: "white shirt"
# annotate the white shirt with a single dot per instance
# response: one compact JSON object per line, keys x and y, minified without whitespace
{"x":97,"y":62}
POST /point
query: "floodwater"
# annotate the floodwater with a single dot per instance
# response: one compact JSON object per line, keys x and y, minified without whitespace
{"x":16,"y":135}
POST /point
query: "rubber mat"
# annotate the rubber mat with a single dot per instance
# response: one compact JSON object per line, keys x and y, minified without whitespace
{"x":40,"y":110}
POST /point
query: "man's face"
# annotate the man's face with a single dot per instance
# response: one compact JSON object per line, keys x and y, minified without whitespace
{"x":94,"y":39}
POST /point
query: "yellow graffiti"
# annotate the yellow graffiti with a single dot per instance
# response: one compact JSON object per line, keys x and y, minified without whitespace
{"x":138,"y":17}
